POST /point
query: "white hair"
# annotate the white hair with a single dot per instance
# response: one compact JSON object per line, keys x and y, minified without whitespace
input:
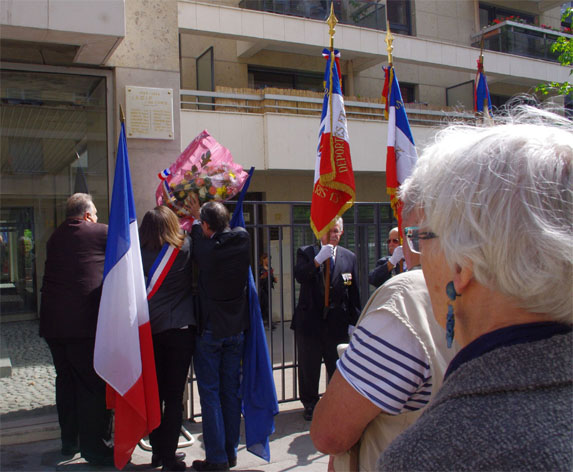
{"x":501,"y":199}
{"x":339,"y":221}
{"x":78,"y":204}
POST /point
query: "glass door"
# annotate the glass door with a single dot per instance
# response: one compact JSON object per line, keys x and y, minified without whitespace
{"x":53,"y":144}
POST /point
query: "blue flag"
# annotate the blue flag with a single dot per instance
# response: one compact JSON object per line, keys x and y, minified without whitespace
{"x":258,"y":387}
{"x":482,"y":94}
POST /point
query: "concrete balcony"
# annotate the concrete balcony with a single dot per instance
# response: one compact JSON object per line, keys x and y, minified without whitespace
{"x":274,"y":131}
{"x":363,"y":13}
{"x":255,"y":31}
{"x":521,"y":39}
{"x":83,"y":32}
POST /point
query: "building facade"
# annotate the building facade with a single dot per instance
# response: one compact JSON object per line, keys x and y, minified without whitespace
{"x":248,"y":71}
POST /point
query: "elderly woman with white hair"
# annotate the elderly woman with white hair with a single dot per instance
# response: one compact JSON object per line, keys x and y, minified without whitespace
{"x":495,"y":237}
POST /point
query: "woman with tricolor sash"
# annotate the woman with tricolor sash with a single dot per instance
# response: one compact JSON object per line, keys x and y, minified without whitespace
{"x":166,"y":256}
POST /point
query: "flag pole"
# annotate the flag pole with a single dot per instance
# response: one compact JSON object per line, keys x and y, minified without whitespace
{"x":331,"y":21}
{"x":390,"y":48}
{"x":121,"y":115}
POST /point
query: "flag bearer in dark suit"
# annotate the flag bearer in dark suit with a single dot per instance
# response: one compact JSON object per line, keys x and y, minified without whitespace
{"x":71,"y":291}
{"x":318,"y":329}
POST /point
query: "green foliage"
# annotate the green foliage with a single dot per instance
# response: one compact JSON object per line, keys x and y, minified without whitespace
{"x":564,"y":47}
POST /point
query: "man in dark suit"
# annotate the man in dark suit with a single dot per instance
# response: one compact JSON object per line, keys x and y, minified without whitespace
{"x":223,"y":257}
{"x":388,"y":266}
{"x":71,"y":293}
{"x":318,"y":329}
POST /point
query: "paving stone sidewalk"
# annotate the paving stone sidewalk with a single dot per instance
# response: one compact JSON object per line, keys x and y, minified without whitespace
{"x":29,"y":393}
{"x":30,"y":388}
{"x":291,"y":450}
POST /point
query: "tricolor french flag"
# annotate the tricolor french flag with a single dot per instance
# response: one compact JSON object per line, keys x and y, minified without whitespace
{"x":123,"y":354}
{"x":401,"y":154}
{"x":334,"y":187}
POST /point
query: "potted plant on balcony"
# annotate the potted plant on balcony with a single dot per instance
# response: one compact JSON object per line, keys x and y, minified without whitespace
{"x":514,"y":18}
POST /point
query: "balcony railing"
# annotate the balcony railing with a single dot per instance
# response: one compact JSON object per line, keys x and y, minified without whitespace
{"x":363,"y":13}
{"x":519,"y":39}
{"x":298,"y":102}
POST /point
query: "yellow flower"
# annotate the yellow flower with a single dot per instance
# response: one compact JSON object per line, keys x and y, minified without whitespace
{"x":221,"y":191}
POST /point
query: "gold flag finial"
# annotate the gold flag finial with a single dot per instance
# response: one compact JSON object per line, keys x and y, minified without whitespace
{"x":389,"y":40}
{"x":121,"y":114}
{"x":331,"y":21}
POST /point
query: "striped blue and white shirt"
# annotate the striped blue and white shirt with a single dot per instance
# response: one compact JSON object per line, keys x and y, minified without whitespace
{"x":387,"y":364}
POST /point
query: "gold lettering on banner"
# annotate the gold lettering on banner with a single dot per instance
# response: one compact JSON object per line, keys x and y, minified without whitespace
{"x":334,"y":197}
{"x":339,"y":156}
{"x":320,"y":191}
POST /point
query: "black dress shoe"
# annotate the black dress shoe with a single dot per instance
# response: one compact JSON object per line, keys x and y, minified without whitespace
{"x":206,"y":465}
{"x":176,"y":465}
{"x":308,"y":411}
{"x":232,"y":462}
{"x":157,"y":462}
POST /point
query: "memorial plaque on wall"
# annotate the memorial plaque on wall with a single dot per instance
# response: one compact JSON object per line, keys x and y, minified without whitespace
{"x":149,"y":112}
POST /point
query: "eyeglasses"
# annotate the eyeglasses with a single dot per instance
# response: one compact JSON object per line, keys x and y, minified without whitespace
{"x":395,"y":241}
{"x":414,"y":235}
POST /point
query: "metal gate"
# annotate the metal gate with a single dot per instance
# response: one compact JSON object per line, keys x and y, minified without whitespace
{"x":278,"y":229}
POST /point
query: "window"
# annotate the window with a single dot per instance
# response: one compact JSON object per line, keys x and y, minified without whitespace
{"x":205,"y":76}
{"x":399,"y":16}
{"x":262,"y":77}
{"x":54,"y":143}
{"x":488,"y":13}
{"x":408,"y":92}
{"x":461,"y":95}
{"x":498,"y":101}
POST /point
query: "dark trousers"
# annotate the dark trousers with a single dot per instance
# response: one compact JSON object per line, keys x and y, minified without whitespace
{"x":80,"y":397}
{"x":264,"y":303}
{"x":217,"y":364}
{"x":312,"y":350}
{"x":173,"y":351}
